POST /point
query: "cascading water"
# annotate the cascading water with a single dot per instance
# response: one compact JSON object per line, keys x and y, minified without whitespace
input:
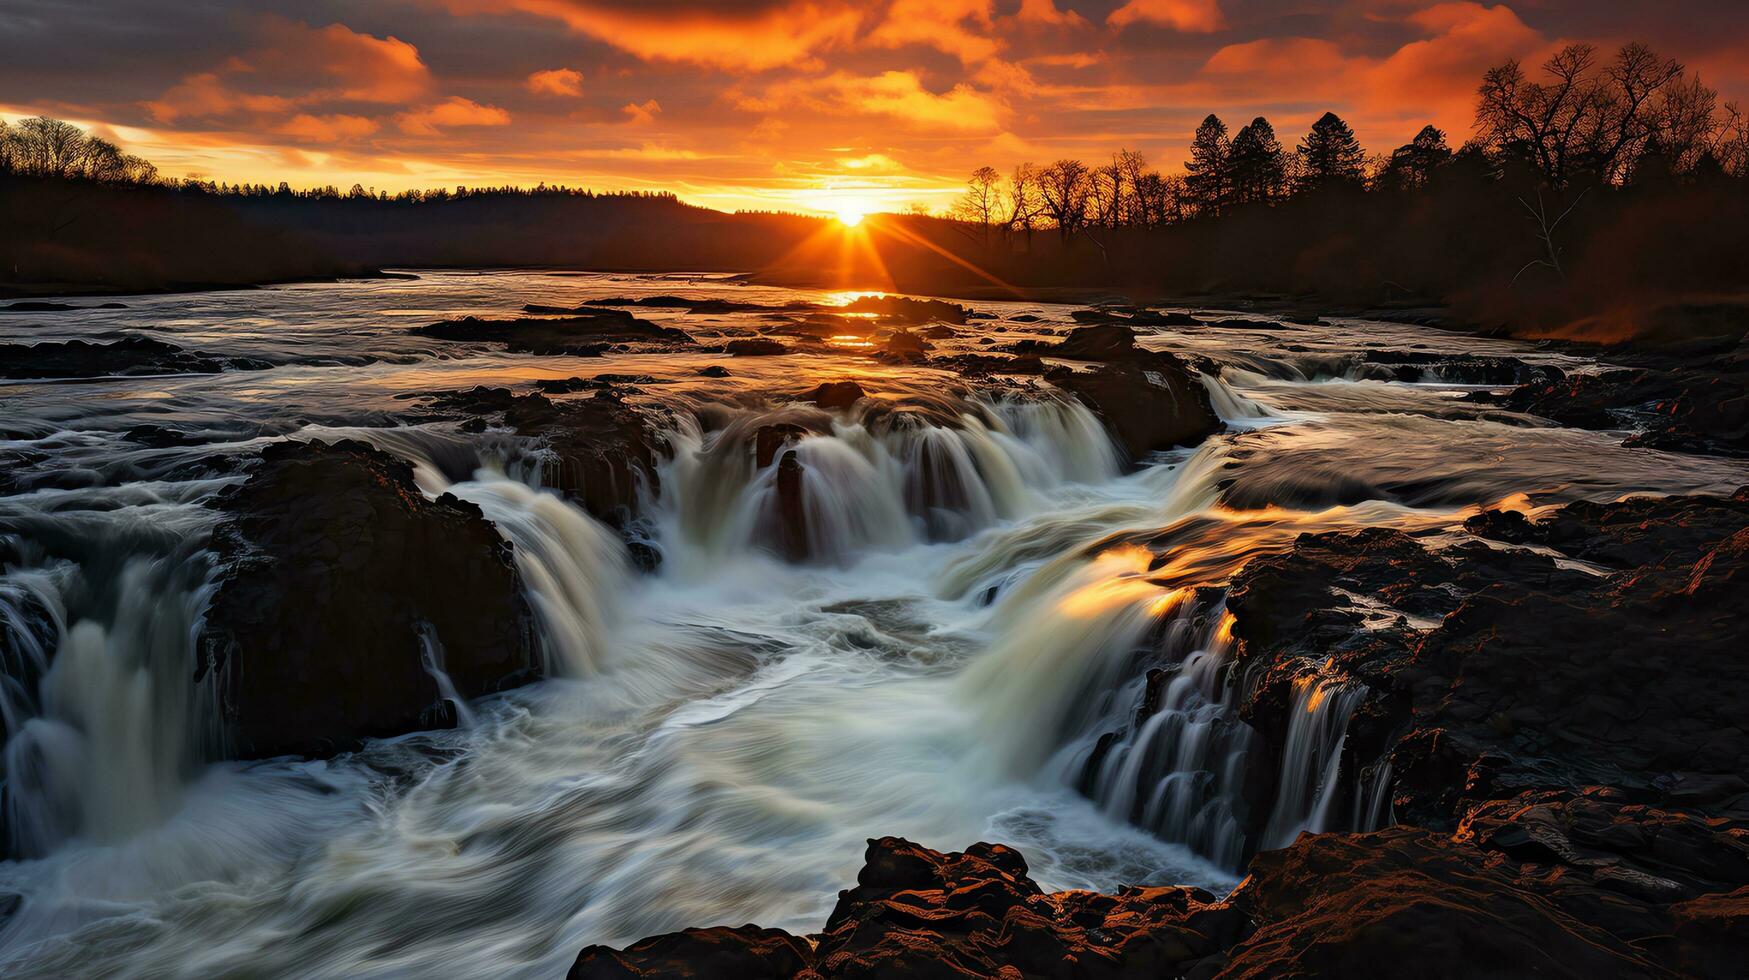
{"x":1311,"y":758}
{"x":121,"y":725}
{"x":572,"y":567}
{"x":879,"y":482}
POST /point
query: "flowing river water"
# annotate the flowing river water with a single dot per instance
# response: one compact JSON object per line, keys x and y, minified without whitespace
{"x":717,"y":738}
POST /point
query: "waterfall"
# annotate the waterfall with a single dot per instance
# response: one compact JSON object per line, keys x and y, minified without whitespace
{"x":1311,"y":757}
{"x":871,"y":482}
{"x":121,"y":724}
{"x":572,"y":567}
{"x":431,"y":655}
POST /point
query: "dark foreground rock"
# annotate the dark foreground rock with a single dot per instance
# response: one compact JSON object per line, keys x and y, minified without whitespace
{"x":1402,"y":902}
{"x":920,"y":913}
{"x":334,"y":569}
{"x":591,"y":334}
{"x":131,"y":355}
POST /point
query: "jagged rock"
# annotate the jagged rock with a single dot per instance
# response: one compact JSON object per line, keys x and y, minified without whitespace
{"x":907,"y":346}
{"x":792,"y":515}
{"x":837,"y":395}
{"x":1407,"y":902}
{"x":604,"y":450}
{"x":584,"y":335}
{"x":131,"y":355}
{"x":1148,"y":408}
{"x":1462,"y":369}
{"x":903,"y":309}
{"x":332,"y":565}
{"x":921,"y":913}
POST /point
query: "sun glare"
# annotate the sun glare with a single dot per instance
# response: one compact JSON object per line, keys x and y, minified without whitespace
{"x":850,"y":217}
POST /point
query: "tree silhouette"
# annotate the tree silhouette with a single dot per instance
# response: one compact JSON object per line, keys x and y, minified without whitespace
{"x":1259,"y":173}
{"x":1330,"y":156}
{"x":1208,"y":175}
{"x":1413,"y":164}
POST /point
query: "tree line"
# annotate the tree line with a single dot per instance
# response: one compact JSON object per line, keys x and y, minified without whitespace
{"x":44,"y":147}
{"x":1638,"y":118}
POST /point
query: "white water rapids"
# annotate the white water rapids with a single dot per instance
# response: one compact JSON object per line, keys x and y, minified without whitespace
{"x":717,"y":738}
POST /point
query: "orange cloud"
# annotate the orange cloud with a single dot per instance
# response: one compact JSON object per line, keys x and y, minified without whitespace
{"x":455,"y":111}
{"x":1189,"y":16}
{"x":326,"y":129}
{"x":641,"y":113}
{"x":297,"y":65}
{"x":555,"y":81}
{"x":961,"y":28}
{"x":897,"y":95}
{"x":785,"y":35}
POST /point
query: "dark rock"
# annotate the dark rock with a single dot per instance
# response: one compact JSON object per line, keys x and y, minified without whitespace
{"x":774,"y":437}
{"x":707,"y":954}
{"x":605,"y":451}
{"x":921,"y":913}
{"x":907,"y":346}
{"x":1148,"y":408}
{"x":903,"y":309}
{"x":794,"y":542}
{"x":1406,"y":902}
{"x":1421,"y":366}
{"x":158,"y":437}
{"x":585,"y":335}
{"x":332,"y":565}
{"x":131,"y":355}
{"x":38,"y":306}
{"x":756,"y":347}
{"x":713,"y":371}
{"x":1241,"y":323}
{"x":835,"y":394}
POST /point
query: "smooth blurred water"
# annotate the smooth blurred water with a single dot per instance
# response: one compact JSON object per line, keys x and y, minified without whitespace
{"x":719,"y":737}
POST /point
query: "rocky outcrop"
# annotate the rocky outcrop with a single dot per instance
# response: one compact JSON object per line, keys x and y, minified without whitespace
{"x":916,"y":912}
{"x":335,"y":571}
{"x":591,"y":334}
{"x":603,"y":451}
{"x":755,"y":347}
{"x":1414,"y":366}
{"x":1683,"y":398}
{"x":1149,"y":399}
{"x":130,"y":355}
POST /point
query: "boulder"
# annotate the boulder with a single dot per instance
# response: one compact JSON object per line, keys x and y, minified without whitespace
{"x":585,"y":335}
{"x":755,"y":347}
{"x":835,"y":395}
{"x":333,"y":570}
{"x":1147,"y":408}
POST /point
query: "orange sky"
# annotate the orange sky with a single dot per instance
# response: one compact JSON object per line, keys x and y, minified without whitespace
{"x":781,"y":104}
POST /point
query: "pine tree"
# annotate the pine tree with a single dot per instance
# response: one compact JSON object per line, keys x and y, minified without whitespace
{"x":1413,"y":163}
{"x":1258,"y":170}
{"x":1330,"y":156}
{"x":1208,"y":175}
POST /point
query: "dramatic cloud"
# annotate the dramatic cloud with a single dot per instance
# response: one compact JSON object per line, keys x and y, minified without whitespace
{"x":775,"y":103}
{"x":455,"y":111}
{"x":556,"y":81}
{"x":1193,"y":16}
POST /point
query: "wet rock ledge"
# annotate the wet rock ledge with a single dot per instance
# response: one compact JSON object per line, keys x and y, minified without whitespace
{"x":335,"y":569}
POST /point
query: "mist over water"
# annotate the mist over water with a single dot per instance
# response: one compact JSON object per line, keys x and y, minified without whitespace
{"x":985,"y":588}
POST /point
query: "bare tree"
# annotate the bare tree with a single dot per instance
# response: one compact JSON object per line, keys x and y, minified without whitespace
{"x":980,"y":207}
{"x":1547,"y":226}
{"x":1589,"y":119}
{"x":1063,"y":191}
{"x":1023,"y":201}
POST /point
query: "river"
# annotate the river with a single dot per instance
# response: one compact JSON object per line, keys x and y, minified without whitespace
{"x":719,"y":736}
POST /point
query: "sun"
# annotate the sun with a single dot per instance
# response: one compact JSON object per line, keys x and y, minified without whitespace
{"x":850,"y":217}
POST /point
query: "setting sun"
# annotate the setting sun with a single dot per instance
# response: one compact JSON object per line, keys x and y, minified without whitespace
{"x":850,"y":217}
